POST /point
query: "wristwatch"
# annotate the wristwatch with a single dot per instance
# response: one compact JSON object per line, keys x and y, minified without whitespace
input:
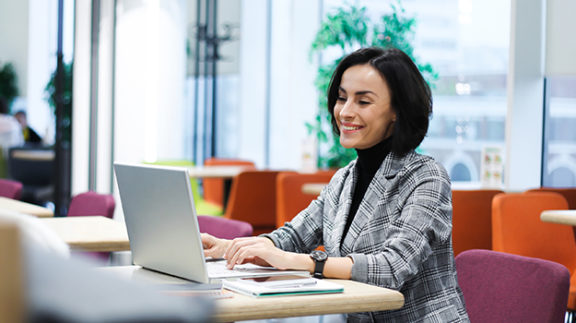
{"x":319,"y":258}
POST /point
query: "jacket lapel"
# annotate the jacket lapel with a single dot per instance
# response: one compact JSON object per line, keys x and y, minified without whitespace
{"x":375,"y":193}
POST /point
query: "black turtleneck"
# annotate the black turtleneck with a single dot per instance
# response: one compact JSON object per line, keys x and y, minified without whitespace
{"x":368,"y":162}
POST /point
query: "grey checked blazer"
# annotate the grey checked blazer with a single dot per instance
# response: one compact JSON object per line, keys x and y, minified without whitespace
{"x":400,"y":238}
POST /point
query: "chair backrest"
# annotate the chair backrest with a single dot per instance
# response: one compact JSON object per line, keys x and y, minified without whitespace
{"x":569,"y":194}
{"x":10,"y":188}
{"x":290,"y":199}
{"x":517,"y":228}
{"x":31,"y":165}
{"x":213,"y":187}
{"x":224,"y":228}
{"x":253,"y":199}
{"x":92,"y":203}
{"x":502,"y":287}
{"x":472,"y":219}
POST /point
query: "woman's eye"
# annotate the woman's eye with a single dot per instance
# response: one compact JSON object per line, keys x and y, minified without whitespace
{"x":364,"y":102}
{"x":341,"y":98}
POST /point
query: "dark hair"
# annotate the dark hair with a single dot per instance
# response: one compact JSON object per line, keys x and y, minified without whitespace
{"x":411,"y":98}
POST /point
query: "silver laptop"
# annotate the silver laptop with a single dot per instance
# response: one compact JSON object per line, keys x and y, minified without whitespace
{"x":163,"y":228}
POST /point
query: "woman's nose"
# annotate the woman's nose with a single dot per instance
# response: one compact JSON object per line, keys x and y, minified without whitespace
{"x":347,"y":109}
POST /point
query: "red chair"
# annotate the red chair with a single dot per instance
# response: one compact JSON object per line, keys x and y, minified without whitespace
{"x":92,"y":203}
{"x":502,"y":287}
{"x":253,"y":200}
{"x":569,"y":194}
{"x":213,"y":188}
{"x":517,"y":229}
{"x":10,"y":189}
{"x":290,"y":199}
{"x":224,"y":228}
{"x":472,"y":219}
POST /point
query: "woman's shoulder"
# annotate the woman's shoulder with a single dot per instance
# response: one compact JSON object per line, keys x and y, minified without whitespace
{"x":423,"y":164}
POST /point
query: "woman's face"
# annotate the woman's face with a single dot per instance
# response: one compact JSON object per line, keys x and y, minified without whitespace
{"x":362,"y":111}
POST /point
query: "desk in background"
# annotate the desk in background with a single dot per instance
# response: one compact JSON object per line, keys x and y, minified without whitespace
{"x":25,"y":208}
{"x":357,"y":297}
{"x":90,"y":233}
{"x":313,"y":188}
{"x":227,"y":173}
{"x":559,"y":216}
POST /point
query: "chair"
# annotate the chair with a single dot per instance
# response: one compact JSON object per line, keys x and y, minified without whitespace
{"x":213,"y":188}
{"x":517,"y":229}
{"x":202,"y":206}
{"x":224,"y":228}
{"x":569,"y":194}
{"x":33,"y":167}
{"x":502,"y":287}
{"x":253,"y":199}
{"x":472,"y":219}
{"x":290,"y":199}
{"x":10,"y":189}
{"x":92,"y":203}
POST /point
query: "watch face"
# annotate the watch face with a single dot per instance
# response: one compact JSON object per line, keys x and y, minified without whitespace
{"x":319,"y":255}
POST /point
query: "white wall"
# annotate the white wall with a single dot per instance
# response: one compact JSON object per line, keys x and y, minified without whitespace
{"x":14,"y":39}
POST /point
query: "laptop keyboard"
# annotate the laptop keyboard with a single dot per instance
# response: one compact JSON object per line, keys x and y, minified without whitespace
{"x":218,"y":269}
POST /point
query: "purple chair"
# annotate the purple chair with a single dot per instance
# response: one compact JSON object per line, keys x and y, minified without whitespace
{"x":502,"y":287}
{"x":10,"y":189}
{"x":92,"y":203}
{"x":224,"y":228}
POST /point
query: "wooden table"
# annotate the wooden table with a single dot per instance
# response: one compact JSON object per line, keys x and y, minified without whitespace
{"x":90,"y":233}
{"x":357,"y":297}
{"x":313,"y":188}
{"x":25,"y":208}
{"x":40,"y":154}
{"x":227,"y":173}
{"x":559,"y":216}
{"x":216,"y":171}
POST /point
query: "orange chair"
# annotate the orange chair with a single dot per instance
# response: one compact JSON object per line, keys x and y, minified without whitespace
{"x":569,"y":194}
{"x":472,"y":219}
{"x":213,"y":187}
{"x":290,"y":199}
{"x":253,"y":200}
{"x":517,"y":229}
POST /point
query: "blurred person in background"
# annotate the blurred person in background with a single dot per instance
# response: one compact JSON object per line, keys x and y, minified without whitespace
{"x":10,"y":129}
{"x":30,"y":136}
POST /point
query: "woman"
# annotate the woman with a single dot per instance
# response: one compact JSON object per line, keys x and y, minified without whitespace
{"x":384,"y":219}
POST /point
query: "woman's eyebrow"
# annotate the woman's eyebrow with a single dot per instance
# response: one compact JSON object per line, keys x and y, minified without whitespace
{"x":366,"y":92}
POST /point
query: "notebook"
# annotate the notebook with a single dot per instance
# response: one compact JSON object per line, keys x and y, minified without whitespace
{"x":281,"y":286}
{"x":163,"y":227}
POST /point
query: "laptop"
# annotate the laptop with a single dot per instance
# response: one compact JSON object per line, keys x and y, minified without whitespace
{"x":163,"y":227}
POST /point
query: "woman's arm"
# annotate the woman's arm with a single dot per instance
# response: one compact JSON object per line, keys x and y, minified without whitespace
{"x":262,"y":251}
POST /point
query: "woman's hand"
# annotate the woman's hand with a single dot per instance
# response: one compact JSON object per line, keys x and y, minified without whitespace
{"x":256,"y":250}
{"x":214,"y":247}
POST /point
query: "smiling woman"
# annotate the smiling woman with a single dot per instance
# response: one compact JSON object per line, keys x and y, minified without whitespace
{"x":363,"y":112}
{"x":385,"y":218}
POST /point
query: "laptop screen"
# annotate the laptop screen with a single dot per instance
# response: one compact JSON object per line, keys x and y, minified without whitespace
{"x":161,"y":220}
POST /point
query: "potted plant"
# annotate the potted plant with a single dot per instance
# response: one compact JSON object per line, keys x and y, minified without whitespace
{"x":346,"y":30}
{"x":66,"y":98}
{"x":8,"y":80}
